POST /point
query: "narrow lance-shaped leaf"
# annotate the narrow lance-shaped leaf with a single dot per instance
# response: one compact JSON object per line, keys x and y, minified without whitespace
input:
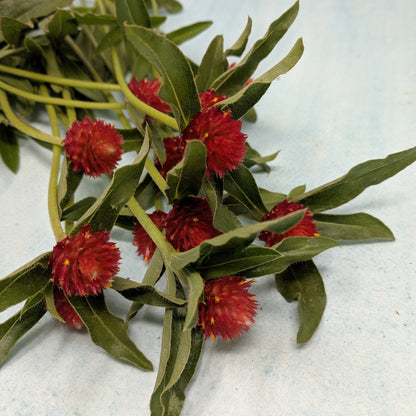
{"x":241,"y":102}
{"x":186,"y":177}
{"x":104,"y":212}
{"x":9,"y":148}
{"x":347,"y":187}
{"x":303,"y":283}
{"x":132,"y":12}
{"x":107,"y":330}
{"x":178,"y":87}
{"x":233,"y":240}
{"x":183,"y":34}
{"x":352,"y":227}
{"x":239,"y":46}
{"x":12,"y":30}
{"x":213,"y":64}
{"x":18,"y":325}
{"x":62,"y":24}
{"x":25,"y":281}
{"x":233,"y":80}
{"x":68,"y":183}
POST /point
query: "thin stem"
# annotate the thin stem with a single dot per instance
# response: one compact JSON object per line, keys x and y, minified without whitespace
{"x":156,"y":176}
{"x":60,"y":101}
{"x":22,"y":126}
{"x":147,"y":109}
{"x":59,"y":81}
{"x":54,"y":216}
{"x":155,"y":8}
{"x":154,"y":233}
{"x":70,"y":111}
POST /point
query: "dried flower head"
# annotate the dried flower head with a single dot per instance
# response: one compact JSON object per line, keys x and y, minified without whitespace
{"x":222,"y":136}
{"x":65,"y":310}
{"x":147,"y":91}
{"x":93,"y":147}
{"x":84,"y":264}
{"x":145,"y":245}
{"x":174,"y":150}
{"x":228,"y":307}
{"x":208,"y":98}
{"x":189,"y":223}
{"x":306,"y":227}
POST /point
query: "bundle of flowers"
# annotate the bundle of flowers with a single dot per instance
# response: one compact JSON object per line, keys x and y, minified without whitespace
{"x":189,"y":199}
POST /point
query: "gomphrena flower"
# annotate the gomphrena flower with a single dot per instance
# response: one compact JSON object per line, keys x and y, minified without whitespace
{"x":228,"y":307}
{"x":65,"y":310}
{"x":145,"y":245}
{"x":208,"y":98}
{"x":222,"y":136}
{"x":174,"y":150}
{"x":84,"y":264}
{"x":304,"y":228}
{"x":147,"y":91}
{"x":93,"y":146}
{"x":189,"y":223}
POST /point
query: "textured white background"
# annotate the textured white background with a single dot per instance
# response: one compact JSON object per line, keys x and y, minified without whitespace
{"x":351,"y":98}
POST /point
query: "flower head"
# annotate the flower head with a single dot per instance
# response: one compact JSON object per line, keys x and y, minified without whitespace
{"x":306,"y":227}
{"x":208,"y":98}
{"x":65,"y":310}
{"x":174,"y":150}
{"x":85,"y":263}
{"x":221,"y":135}
{"x":189,"y":223}
{"x":145,"y":245}
{"x":147,"y":91}
{"x":93,"y":147}
{"x":228,"y":308}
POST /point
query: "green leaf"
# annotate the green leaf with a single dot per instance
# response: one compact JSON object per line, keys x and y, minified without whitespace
{"x":132,"y":12}
{"x":233,"y":240}
{"x":28,"y":11}
{"x":303,"y":283}
{"x":293,"y":250}
{"x":75,"y":211}
{"x":86,"y":17}
{"x":62,"y":24}
{"x":352,"y":227}
{"x":233,"y":80}
{"x":347,"y":187}
{"x":50,"y":302}
{"x":16,"y":326}
{"x":270,"y":199}
{"x":144,"y":294}
{"x":243,"y":100}
{"x":188,"y":32}
{"x":186,"y":177}
{"x":222,"y":218}
{"x":68,"y":183}
{"x":179,"y":357}
{"x":112,"y":38}
{"x":252,"y":158}
{"x":213,"y":64}
{"x":9,"y":148}
{"x":178,"y":87}
{"x":107,"y":330}
{"x":25,"y":281}
{"x":13,"y":30}
{"x":241,"y":184}
{"x":103,"y":214}
{"x":299,"y":190}
{"x":132,"y":138}
{"x":240,"y":45}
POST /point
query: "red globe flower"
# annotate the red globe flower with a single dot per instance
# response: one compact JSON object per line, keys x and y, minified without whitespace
{"x":145,"y":245}
{"x":147,"y":91}
{"x":93,"y":147}
{"x":84,"y":264}
{"x":189,"y":223}
{"x":174,"y":150}
{"x":65,"y":310}
{"x":221,"y":135}
{"x":305,"y":228}
{"x":228,"y":308}
{"x":208,"y":98}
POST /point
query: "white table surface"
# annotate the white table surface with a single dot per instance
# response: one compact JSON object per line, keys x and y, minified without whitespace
{"x":350,"y":98}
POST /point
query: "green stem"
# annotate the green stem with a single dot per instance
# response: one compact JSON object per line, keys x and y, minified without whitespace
{"x":147,"y":109}
{"x":154,"y":233}
{"x":60,"y":101}
{"x":22,"y":126}
{"x":59,"y":81}
{"x":54,"y":216}
{"x":155,"y":8}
